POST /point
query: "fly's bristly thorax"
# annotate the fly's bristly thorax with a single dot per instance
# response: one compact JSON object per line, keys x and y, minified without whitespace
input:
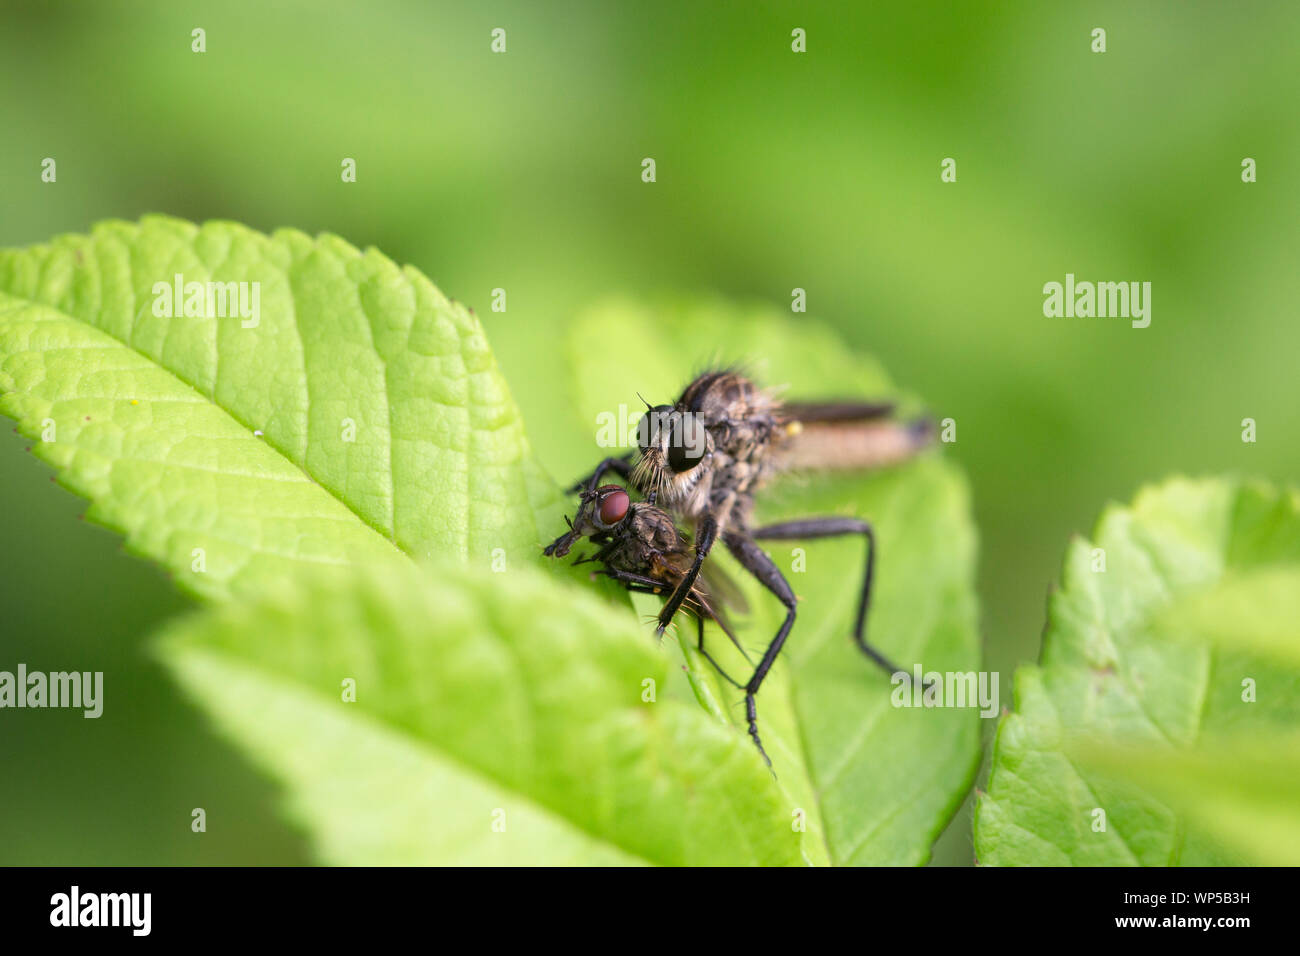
{"x":725,"y":396}
{"x":725,"y":437}
{"x":656,"y":532}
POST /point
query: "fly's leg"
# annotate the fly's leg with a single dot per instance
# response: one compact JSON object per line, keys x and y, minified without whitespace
{"x":705,"y":535}
{"x":561,"y":545}
{"x":621,"y":465}
{"x":757,"y":563}
{"x":646,"y":585}
{"x":600,"y":555}
{"x":709,"y":657}
{"x":634,"y":582}
{"x":811,"y":528}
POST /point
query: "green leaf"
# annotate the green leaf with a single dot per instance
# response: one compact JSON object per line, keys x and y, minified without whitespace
{"x":362,"y":417}
{"x":362,"y":413}
{"x":1258,"y":610}
{"x":877,"y":782}
{"x":480,"y":698}
{"x":1241,"y":792}
{"x":1112,"y":679}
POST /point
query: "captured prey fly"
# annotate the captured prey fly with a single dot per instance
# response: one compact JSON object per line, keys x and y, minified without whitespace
{"x":703,"y":458}
{"x":642,"y":549}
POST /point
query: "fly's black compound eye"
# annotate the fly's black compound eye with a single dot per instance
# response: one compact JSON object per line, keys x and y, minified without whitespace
{"x":652,"y":422}
{"x":687,"y":443}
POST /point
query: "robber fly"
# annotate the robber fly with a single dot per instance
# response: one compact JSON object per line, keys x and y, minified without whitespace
{"x":642,"y":548}
{"x":703,"y":458}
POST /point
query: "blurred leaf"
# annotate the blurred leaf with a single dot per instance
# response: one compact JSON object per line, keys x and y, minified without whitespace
{"x":877,"y":783}
{"x":1243,"y":792}
{"x":362,"y":412}
{"x":1257,"y":610}
{"x":1110,"y":676}
{"x":477,"y":694}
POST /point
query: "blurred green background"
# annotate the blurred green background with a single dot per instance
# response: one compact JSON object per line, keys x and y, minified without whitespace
{"x":775,"y":170}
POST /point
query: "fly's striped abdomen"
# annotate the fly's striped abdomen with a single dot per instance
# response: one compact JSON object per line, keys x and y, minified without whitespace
{"x":827,"y":446}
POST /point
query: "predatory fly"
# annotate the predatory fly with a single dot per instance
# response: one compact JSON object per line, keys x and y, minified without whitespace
{"x":703,"y":458}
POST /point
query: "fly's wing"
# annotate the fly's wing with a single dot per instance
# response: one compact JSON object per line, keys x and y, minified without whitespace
{"x":846,"y":411}
{"x":713,"y":590}
{"x":702,"y":605}
{"x":721,"y":589}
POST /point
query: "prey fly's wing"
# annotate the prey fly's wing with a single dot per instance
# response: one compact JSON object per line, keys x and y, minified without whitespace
{"x":716,"y":592}
{"x":711,"y":609}
{"x":723,"y":588}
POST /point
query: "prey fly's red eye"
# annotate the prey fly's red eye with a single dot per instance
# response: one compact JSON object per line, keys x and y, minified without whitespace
{"x":613,"y":506}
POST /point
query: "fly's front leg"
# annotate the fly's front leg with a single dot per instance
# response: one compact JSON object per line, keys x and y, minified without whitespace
{"x":757,"y":563}
{"x":634,"y":582}
{"x":812,"y":528}
{"x":621,"y":465}
{"x":561,"y":545}
{"x":706,"y":532}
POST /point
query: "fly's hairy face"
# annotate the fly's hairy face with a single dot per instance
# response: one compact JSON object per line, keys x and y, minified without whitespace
{"x":675,"y":451}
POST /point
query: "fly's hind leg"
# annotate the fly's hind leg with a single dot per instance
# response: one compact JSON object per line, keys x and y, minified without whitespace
{"x":812,"y":528}
{"x":757,"y":563}
{"x":709,"y":657}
